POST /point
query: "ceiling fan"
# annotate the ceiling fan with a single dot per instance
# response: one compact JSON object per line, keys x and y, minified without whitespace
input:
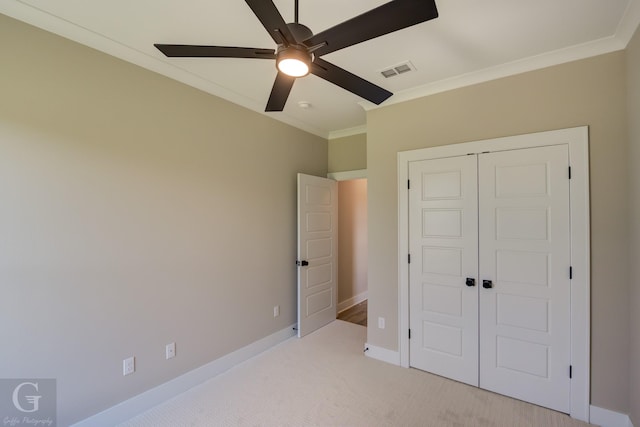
{"x":299,"y":51}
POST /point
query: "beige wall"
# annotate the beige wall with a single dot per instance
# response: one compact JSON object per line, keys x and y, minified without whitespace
{"x":135,"y":211}
{"x":348,"y":153}
{"x":352,"y":238}
{"x":588,"y":92}
{"x":633,"y":81}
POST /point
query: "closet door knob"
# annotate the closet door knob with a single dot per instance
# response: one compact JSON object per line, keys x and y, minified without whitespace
{"x":470,"y":281}
{"x":487,"y":284}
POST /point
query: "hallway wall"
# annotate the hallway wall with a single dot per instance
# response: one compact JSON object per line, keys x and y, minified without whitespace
{"x":352,"y":247}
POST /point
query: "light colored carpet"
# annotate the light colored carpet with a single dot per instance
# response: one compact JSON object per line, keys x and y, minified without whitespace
{"x":324,"y":379}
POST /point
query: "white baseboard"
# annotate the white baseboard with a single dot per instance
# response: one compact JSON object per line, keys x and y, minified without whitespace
{"x":382,"y":354}
{"x":150,"y":398}
{"x":606,"y":418}
{"x":348,"y":303}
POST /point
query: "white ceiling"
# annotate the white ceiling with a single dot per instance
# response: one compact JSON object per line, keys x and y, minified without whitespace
{"x":470,"y":42}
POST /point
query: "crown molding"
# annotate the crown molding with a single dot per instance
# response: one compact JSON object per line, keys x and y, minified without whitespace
{"x":48,"y":22}
{"x":629,"y":23}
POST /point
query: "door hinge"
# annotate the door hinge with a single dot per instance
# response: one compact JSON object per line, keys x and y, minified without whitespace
{"x":570,"y":272}
{"x":569,"y":172}
{"x":409,"y":333}
{"x":409,"y":258}
{"x":570,"y":371}
{"x":408,"y":184}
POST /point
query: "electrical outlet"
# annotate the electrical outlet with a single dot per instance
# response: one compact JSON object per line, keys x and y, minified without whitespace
{"x":381,"y":322}
{"x":276,"y":311}
{"x":128,"y":366}
{"x":170,"y":351}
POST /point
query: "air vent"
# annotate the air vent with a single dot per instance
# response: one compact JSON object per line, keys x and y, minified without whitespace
{"x":398,"y":69}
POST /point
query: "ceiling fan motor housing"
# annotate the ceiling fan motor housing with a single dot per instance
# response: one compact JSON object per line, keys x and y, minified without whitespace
{"x":296,"y":52}
{"x":299,"y":32}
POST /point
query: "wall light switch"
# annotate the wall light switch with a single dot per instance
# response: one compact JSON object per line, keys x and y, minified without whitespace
{"x":276,"y":311}
{"x":170,"y":351}
{"x":381,"y":322}
{"x":128,"y":366}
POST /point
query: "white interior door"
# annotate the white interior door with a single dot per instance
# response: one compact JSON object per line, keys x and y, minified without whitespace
{"x":444,"y":266}
{"x":317,"y":252}
{"x":525,"y":253}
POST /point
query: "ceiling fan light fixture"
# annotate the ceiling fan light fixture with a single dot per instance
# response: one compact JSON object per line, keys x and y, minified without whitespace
{"x":293,"y":62}
{"x":300,"y":52}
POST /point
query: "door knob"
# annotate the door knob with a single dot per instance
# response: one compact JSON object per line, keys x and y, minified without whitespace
{"x":487,"y":284}
{"x":470,"y":281}
{"x":302,"y":263}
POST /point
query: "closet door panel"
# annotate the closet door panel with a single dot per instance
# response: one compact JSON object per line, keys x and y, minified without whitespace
{"x":444,"y":253}
{"x":524,"y":245}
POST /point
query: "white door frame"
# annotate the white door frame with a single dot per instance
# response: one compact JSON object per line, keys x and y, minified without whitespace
{"x":577,"y":140}
{"x":348,"y":175}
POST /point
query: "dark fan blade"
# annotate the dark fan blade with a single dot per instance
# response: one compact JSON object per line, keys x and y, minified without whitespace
{"x":272,"y":21}
{"x":280,"y":92}
{"x":191,"y":51}
{"x":348,"y":81}
{"x":385,"y":19}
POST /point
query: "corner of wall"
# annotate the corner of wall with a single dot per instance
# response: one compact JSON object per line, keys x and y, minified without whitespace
{"x":633,"y":106}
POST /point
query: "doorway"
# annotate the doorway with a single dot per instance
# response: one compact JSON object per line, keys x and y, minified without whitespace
{"x":352,"y":246}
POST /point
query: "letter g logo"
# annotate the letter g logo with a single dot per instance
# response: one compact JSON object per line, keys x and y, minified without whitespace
{"x":33,"y":400}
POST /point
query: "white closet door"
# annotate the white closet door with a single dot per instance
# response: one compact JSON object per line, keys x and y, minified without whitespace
{"x":525,"y":253}
{"x":444,"y":253}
